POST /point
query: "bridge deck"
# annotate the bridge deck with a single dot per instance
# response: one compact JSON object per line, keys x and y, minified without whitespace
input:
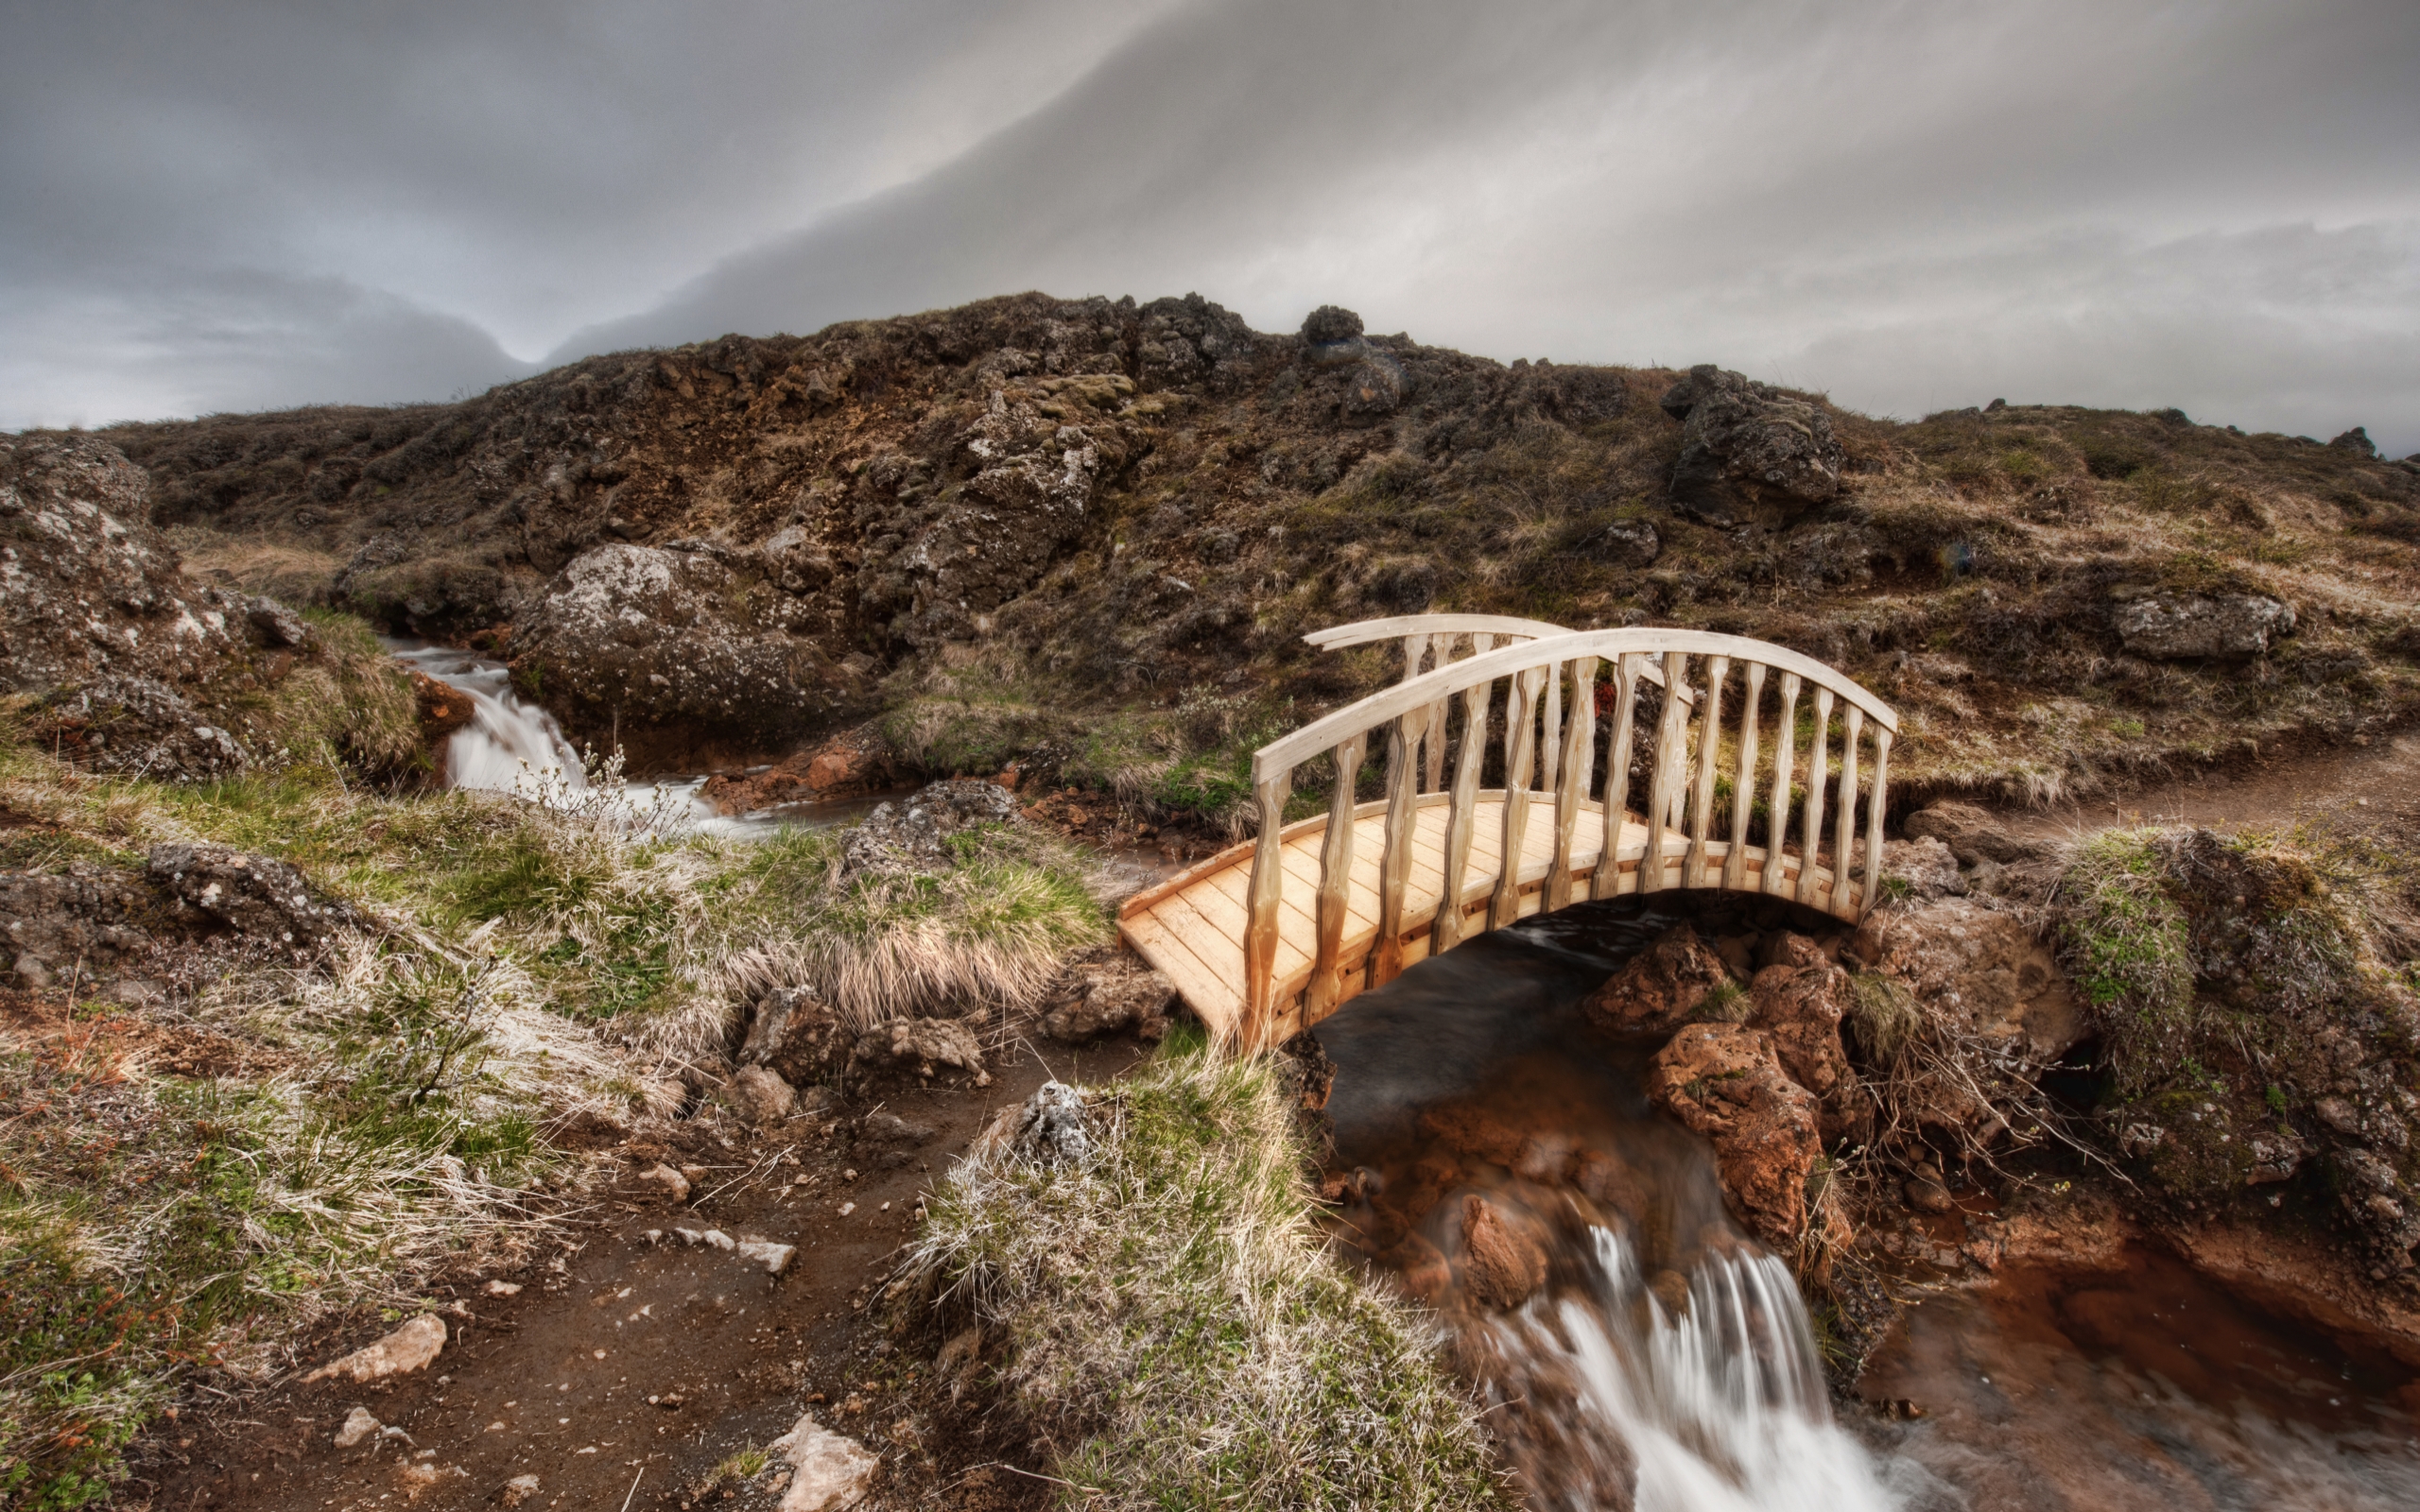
{"x":1192,"y":926}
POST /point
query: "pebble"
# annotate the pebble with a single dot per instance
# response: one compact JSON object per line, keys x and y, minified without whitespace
{"x":504,"y":1288}
{"x":358,"y":1425}
{"x":847,"y":1208}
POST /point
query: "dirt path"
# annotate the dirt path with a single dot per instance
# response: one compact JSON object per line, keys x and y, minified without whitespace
{"x":2372,"y":786}
{"x":623,"y":1361}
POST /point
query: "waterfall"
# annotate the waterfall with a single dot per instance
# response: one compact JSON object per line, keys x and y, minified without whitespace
{"x":1718,"y":1400}
{"x":510,"y":745}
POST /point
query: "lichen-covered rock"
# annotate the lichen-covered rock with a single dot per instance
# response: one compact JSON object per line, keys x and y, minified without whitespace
{"x":1663,"y":986}
{"x":922,"y":1044}
{"x":797,"y":1035}
{"x":51,"y":922}
{"x":257,"y":896}
{"x":905,"y":836}
{"x":1626,"y":544}
{"x":696,"y":637}
{"x":141,"y":727}
{"x":1725,"y":1081}
{"x":2186,"y":627}
{"x":1750,"y":454}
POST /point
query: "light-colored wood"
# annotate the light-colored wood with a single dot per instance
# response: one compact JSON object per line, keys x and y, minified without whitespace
{"x":1844,"y":852}
{"x":1520,"y":734}
{"x":1872,"y":889}
{"x":1810,"y":841}
{"x":1743,"y":780}
{"x":1785,"y":764}
{"x":1268,"y":897}
{"x":1671,"y":734}
{"x":1433,"y":744}
{"x":1571,"y":792}
{"x":1480,"y":627}
{"x":1462,"y":807}
{"x":1550,"y":732}
{"x":1335,"y":879}
{"x":1617,"y":793}
{"x":1395,"y":864}
{"x":1702,"y":787}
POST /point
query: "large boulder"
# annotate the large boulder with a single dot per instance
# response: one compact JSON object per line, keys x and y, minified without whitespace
{"x":696,"y":639}
{"x":87,"y":588}
{"x":1750,"y":454}
{"x":1663,"y":986}
{"x":1725,"y":1082}
{"x":2190,"y":627}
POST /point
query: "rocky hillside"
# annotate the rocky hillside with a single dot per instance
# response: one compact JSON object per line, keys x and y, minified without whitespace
{"x":1086,"y":535}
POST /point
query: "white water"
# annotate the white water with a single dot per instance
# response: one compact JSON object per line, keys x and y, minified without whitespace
{"x":1723,"y":1406}
{"x":512,"y":745}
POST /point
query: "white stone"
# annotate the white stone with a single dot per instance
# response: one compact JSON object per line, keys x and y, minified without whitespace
{"x":401,"y":1352}
{"x":828,"y":1470}
{"x":774,"y":1258}
{"x":358,"y":1425}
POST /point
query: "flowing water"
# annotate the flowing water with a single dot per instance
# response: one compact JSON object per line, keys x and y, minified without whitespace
{"x":1665,"y":1361}
{"x":512,"y":745}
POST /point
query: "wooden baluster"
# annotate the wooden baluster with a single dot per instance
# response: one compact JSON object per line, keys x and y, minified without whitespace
{"x":1743,"y":784}
{"x":1326,"y":987}
{"x":1785,"y":760}
{"x":1463,"y":809}
{"x":1876,"y":807}
{"x":1394,"y":856}
{"x":1433,"y":741}
{"x":1671,"y":736}
{"x":1579,"y":748}
{"x":1702,"y":787}
{"x":1550,"y":732}
{"x":1810,"y":842}
{"x":1520,"y":739}
{"x":1609,"y":867}
{"x":1416,"y":651}
{"x":1844,"y":848}
{"x":1266,"y":895}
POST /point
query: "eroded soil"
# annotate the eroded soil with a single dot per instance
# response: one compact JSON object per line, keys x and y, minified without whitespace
{"x":626,"y":1368}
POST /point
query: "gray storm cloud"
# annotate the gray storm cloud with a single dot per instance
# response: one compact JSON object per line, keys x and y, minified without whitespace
{"x":1912,"y":206}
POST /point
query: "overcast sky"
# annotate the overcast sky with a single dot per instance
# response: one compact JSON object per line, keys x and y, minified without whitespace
{"x":211,"y":204}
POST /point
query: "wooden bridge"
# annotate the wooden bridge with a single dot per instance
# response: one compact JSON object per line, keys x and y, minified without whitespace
{"x":1273,"y":935}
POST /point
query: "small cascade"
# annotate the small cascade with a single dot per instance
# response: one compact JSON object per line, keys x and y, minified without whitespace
{"x":510,"y":745}
{"x":1713,"y":1401}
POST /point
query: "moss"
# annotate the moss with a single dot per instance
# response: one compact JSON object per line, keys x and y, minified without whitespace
{"x":2126,"y":945}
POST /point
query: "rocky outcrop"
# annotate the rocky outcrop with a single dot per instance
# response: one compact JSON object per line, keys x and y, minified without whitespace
{"x":798,"y":1036}
{"x":1663,"y":987}
{"x":1112,"y":990}
{"x":695,"y":637}
{"x":1978,"y":971}
{"x":1800,"y":998}
{"x":1750,"y":454}
{"x":256,"y":895}
{"x":85,"y":917}
{"x":1500,"y":1266}
{"x":923,"y":1045}
{"x":1725,"y":1081}
{"x":2190,"y":627}
{"x":907,"y":836}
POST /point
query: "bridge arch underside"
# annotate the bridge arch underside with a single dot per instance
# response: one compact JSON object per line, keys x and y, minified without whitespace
{"x":1192,"y":926}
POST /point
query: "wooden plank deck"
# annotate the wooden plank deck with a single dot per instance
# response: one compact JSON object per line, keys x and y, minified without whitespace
{"x":1192,"y":926}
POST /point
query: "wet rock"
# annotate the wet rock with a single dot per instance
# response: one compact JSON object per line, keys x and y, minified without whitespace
{"x":675,"y":1185}
{"x":1113,"y":991}
{"x":1663,"y":986}
{"x":797,"y":1034}
{"x":827,"y":1471}
{"x":907,"y":836}
{"x":443,"y":710}
{"x":1725,"y":1081}
{"x":761,"y":1095}
{"x":358,"y":1425}
{"x":406,"y":1349}
{"x":1800,"y":1000}
{"x":2188,"y":626}
{"x":1926,"y":1195}
{"x":1473,"y":1131}
{"x":1626,"y":544}
{"x":1750,"y":454}
{"x":692,"y":637}
{"x":1502,"y":1267}
{"x":922,"y":1044}
{"x":1973,"y":834}
{"x":256,"y":895}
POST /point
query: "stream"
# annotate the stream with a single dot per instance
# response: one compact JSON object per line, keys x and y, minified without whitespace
{"x":1667,"y":1362}
{"x":512,"y":745}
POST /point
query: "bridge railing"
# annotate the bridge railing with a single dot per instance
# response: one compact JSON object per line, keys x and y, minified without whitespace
{"x":1683,"y":751}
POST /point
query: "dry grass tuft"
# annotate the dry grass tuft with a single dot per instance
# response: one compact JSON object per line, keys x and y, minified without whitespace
{"x":1177,"y":1330}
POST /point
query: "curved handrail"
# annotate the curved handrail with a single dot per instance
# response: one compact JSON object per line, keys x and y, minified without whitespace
{"x":1326,"y":734}
{"x":1361,"y":632}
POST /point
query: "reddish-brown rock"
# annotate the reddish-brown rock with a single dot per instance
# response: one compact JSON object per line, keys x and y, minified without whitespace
{"x":1660,"y":988}
{"x":1725,"y":1081}
{"x":1501,"y":1266}
{"x":1800,"y":1000}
